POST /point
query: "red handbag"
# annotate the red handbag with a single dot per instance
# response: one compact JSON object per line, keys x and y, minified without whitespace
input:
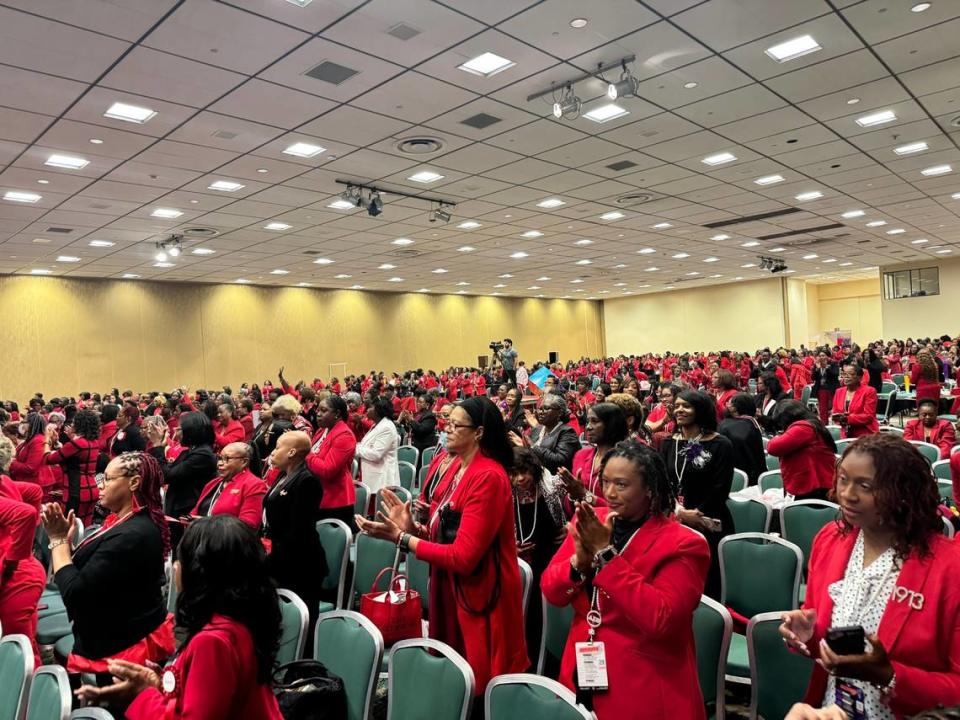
{"x":398,"y":619}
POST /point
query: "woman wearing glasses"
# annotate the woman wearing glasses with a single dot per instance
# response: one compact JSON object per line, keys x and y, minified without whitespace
{"x":235,"y":491}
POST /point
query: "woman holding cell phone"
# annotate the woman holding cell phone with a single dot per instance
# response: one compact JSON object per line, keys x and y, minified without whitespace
{"x":882,"y":612}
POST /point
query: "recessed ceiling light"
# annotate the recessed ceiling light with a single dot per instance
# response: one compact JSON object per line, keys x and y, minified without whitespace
{"x":130,"y":276}
{"x":551,"y":203}
{"x":769,"y":179}
{"x":937,"y":170}
{"x":542,"y":278}
{"x":720,"y":237}
{"x":202,"y":251}
{"x":242,"y":281}
{"x":944,"y":251}
{"x":692,"y":273}
{"x":532,"y":234}
{"x":40,"y":271}
{"x":662,"y":226}
{"x":811,"y":256}
{"x":719,"y":158}
{"x":486,"y":65}
{"x":877,"y":118}
{"x":342,"y":205}
{"x":96,"y":141}
{"x":505,"y":276}
{"x":402,"y":241}
{"x":606,"y":113}
{"x":466,"y":248}
{"x":167,"y":213}
{"x":584,"y":262}
{"x":830,"y":260}
{"x":425,"y":176}
{"x":749,"y":265}
{"x":225,"y":186}
{"x":919,"y":241}
{"x":279,"y":272}
{"x":955,"y":196}
{"x":853,"y":101}
{"x":129,"y":113}
{"x":896,"y":231}
{"x":342,"y":276}
{"x":519,"y":255}
{"x":749,"y":243}
{"x":356,"y":287}
{"x":264,"y":170}
{"x":101,"y":243}
{"x":462,"y":284}
{"x":534,"y":287}
{"x":323,"y":261}
{"x":304,"y":284}
{"x":576,"y":281}
{"x":681,"y":255}
{"x":386,"y":266}
{"x":163,"y":264}
{"x":619,"y":284}
{"x":812,"y":195}
{"x":424,"y":290}
{"x":395,"y":279}
{"x":920,"y":7}
{"x":777,"y":249}
{"x":439,"y":271}
{"x":68,"y":258}
{"x":43,"y":182}
{"x":469,"y":225}
{"x":710,"y":259}
{"x":277,"y":226}
{"x":911,"y":148}
{"x":579,"y":23}
{"x":690,"y":85}
{"x":584,"y":241}
{"x":850,"y":214}
{"x":300,"y":3}
{"x":716,"y":276}
{"x":67,"y":161}
{"x":21,"y":197}
{"x":646,"y":251}
{"x":615,"y":215}
{"x":792,"y":49}
{"x":304,"y":150}
{"x":876,"y":223}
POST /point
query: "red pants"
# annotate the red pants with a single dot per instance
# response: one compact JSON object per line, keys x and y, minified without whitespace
{"x":824,"y":403}
{"x":19,"y":597}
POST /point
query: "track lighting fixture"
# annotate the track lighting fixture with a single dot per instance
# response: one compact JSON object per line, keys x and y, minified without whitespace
{"x":375,"y":206}
{"x":568,"y":105}
{"x":440,"y":214}
{"x":171,"y":247}
{"x":626,"y":85}
{"x":774,"y":265}
{"x":371,"y":198}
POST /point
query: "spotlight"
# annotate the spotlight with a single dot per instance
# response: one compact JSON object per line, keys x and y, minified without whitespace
{"x":358,"y":200}
{"x":627,"y":85}
{"x":569,"y":104}
{"x":161,"y":255}
{"x":441,"y":214}
{"x":764,"y":263}
{"x":376,"y":204}
{"x":174,"y":250}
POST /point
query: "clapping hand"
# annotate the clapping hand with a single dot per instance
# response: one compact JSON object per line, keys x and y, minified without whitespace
{"x":590,"y":536}
{"x":395,"y":518}
{"x":57,"y":526}
{"x":574,"y":484}
{"x":515,"y":439}
{"x":129,"y":680}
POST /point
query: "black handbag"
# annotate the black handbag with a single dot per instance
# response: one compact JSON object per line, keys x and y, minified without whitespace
{"x":306,"y":690}
{"x":446,"y":534}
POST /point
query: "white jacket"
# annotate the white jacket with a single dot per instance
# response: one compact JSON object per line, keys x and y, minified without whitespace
{"x":378,"y":456}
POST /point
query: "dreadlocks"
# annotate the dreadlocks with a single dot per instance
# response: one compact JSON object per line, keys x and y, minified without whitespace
{"x":148,"y":492}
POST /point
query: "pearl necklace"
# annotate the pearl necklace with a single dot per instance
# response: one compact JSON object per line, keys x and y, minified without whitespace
{"x":525,"y":540}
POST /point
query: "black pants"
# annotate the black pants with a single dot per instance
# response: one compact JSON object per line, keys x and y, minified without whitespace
{"x":344,"y":513}
{"x":510,"y":377}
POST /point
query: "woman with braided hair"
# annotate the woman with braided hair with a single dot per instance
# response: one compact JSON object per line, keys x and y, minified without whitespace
{"x":111,"y":584}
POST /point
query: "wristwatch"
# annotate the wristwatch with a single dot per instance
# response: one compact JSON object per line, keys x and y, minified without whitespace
{"x":589,"y":498}
{"x":604,"y":556}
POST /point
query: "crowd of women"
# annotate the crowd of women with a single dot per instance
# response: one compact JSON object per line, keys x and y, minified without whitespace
{"x":611,"y":481}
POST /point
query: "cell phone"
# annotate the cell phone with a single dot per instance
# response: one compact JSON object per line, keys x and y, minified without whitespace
{"x":847,"y":640}
{"x":713,"y":525}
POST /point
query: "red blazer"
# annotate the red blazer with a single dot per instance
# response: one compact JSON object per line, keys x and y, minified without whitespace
{"x":922,"y":637}
{"x":330,"y":459}
{"x":232,"y":433}
{"x":942,"y":435}
{"x":216,"y":679}
{"x":28,"y":460}
{"x":722,"y":401}
{"x":107,"y":431}
{"x":806,"y":462}
{"x":242,"y":497}
{"x":494,"y":643}
{"x":647,"y":596}
{"x":247,"y":422}
{"x":862,"y":415}
{"x":583,"y":464}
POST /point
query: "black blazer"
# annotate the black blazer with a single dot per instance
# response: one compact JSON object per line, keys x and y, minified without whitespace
{"x":558,"y":449}
{"x":112,"y":591}
{"x":423,"y":432}
{"x":186,"y":477}
{"x":748,"y":453}
{"x":827,"y":378}
{"x":132,"y":441}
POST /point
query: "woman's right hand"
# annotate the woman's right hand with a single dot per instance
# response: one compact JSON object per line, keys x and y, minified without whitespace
{"x":397,"y":511}
{"x":797,"y":629}
{"x":573,"y":484}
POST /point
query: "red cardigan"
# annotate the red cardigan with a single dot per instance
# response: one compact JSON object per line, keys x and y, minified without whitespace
{"x":216,"y":679}
{"x":28,"y":460}
{"x":806,"y":463}
{"x":942,"y":435}
{"x":647,"y":596}
{"x":242,"y":497}
{"x":232,"y":433}
{"x":330,"y":460}
{"x":921,"y":636}
{"x":494,"y":643}
{"x":862,"y":415}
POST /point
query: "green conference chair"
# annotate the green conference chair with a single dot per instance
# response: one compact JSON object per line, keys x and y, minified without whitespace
{"x":421,"y":480}
{"x":50,"y":696}
{"x":526,"y":584}
{"x":778,"y":677}
{"x":749,"y":515}
{"x":888,"y":387}
{"x":835,"y":431}
{"x":773,"y":462}
{"x":63,"y":647}
{"x":929,"y":451}
{"x":941,"y":470}
{"x":740,"y":556}
{"x":712,"y":629}
{"x":335,"y":539}
{"x":945,"y":487}
{"x":805,"y":395}
{"x":886,"y":403}
{"x":521,"y":695}
{"x":418,"y":573}
{"x":408,"y":472}
{"x":897,"y":379}
{"x":351,"y":647}
{"x":401,"y":492}
{"x":843,"y":444}
{"x":373,"y":555}
{"x":362,"y":493}
{"x":740,"y":480}
{"x":769,"y":480}
{"x":801,"y":520}
{"x":428,"y":679}
{"x":947,"y":529}
{"x":427,"y":456}
{"x":91,"y":713}
{"x":408,"y":454}
{"x":553,"y":640}
{"x":16,"y":672}
{"x":293,"y":626}
{"x":355,"y":468}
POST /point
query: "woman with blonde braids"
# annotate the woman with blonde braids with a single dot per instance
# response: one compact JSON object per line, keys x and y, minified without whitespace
{"x":111,"y":584}
{"x":925,"y":376}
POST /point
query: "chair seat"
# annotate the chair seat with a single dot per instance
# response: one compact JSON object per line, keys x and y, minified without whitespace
{"x":738,"y":663}
{"x":52,"y":628}
{"x":54,"y":604}
{"x":64,"y":646}
{"x":326,"y":606}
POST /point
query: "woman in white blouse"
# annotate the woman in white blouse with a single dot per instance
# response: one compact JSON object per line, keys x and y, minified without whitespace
{"x":883,"y":566}
{"x":378,"y":449}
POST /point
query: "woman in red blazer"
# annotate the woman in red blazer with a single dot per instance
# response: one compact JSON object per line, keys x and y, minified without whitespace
{"x":229,"y":429}
{"x":855,"y":405}
{"x":806,"y":450}
{"x":331,"y":459}
{"x":884,"y":566}
{"x":235,"y":491}
{"x":632,"y":562}
{"x":475,"y":590}
{"x":927,"y":428}
{"x":228,"y":608}
{"x":724,"y":388}
{"x":28,"y":464}
{"x":606,"y":426}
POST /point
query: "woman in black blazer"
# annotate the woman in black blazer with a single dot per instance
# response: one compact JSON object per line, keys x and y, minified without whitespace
{"x":189,"y":473}
{"x":552,"y":440}
{"x":826,"y":381}
{"x":128,"y":437}
{"x":111,"y":584}
{"x":422,"y":425}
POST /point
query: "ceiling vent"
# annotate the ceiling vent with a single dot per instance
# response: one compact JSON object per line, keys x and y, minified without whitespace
{"x":59,"y":230}
{"x":791,"y":233}
{"x":406,"y":253}
{"x":753,"y":218}
{"x":419,"y":145}
{"x":331,"y":72}
{"x":481,"y":121}
{"x":225,"y":134}
{"x":636,"y":199}
{"x":200,"y":232}
{"x":402,"y":31}
{"x":100,"y":206}
{"x":621,"y":165}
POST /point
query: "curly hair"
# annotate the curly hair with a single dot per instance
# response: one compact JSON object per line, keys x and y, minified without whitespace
{"x":653,"y":469}
{"x":86,"y":424}
{"x":928,"y":368}
{"x":906,"y":494}
{"x":148,"y":493}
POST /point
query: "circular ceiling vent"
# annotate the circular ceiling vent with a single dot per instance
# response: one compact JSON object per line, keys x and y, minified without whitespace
{"x":635,"y":198}
{"x":419,"y":145}
{"x":955,"y":122}
{"x":405,"y":253}
{"x":200,"y":232}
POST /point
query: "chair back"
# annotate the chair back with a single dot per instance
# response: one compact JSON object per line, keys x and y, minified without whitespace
{"x":16,"y":672}
{"x":421,"y":479}
{"x":835,"y":431}
{"x":351,"y":647}
{"x":362,"y":499}
{"x":294,"y":617}
{"x":741,"y":555}
{"x":946,"y":489}
{"x":373,"y":555}
{"x":50,"y":697}
{"x":941,"y":470}
{"x":526,"y":583}
{"x":428,"y":679}
{"x":773,"y":462}
{"x":740,"y":480}
{"x":897,"y":379}
{"x":355,"y":468}
{"x":769,"y":480}
{"x":801,"y":520}
{"x":427,"y":456}
{"x":778,"y":677}
{"x":712,"y":629}
{"x":553,"y":639}
{"x":531,"y":697}
{"x":891,"y":430}
{"x":408,"y":473}
{"x":930,"y":451}
{"x":888,"y":387}
{"x":749,"y":515}
{"x":91,"y":713}
{"x":335,"y":539}
{"x":408,"y":454}
{"x":843,"y":443}
{"x":418,"y":573}
{"x":947,"y":529}
{"x":805,"y":394}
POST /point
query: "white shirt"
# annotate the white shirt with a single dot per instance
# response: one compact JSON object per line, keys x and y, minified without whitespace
{"x":378,"y":456}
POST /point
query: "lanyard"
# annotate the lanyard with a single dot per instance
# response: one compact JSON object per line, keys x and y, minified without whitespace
{"x":594,"y":616}
{"x":216,"y":495}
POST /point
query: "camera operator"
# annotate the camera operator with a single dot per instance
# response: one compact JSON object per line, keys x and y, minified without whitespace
{"x":508,"y":359}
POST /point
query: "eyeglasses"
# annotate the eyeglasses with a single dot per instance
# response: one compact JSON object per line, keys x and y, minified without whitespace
{"x":456,"y":426}
{"x":228,"y":458}
{"x":102,"y":479}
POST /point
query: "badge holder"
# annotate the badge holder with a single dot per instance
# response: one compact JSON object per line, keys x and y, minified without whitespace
{"x":591,"y":655}
{"x":850,"y":699}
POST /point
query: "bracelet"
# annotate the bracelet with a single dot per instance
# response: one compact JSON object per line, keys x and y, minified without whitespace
{"x":57,"y":543}
{"x":403,"y":542}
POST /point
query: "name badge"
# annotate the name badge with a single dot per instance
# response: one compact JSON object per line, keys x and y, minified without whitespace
{"x":849,"y":698}
{"x":591,"y":666}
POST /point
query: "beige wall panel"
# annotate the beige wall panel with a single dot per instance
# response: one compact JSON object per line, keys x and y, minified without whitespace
{"x":929,"y":316}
